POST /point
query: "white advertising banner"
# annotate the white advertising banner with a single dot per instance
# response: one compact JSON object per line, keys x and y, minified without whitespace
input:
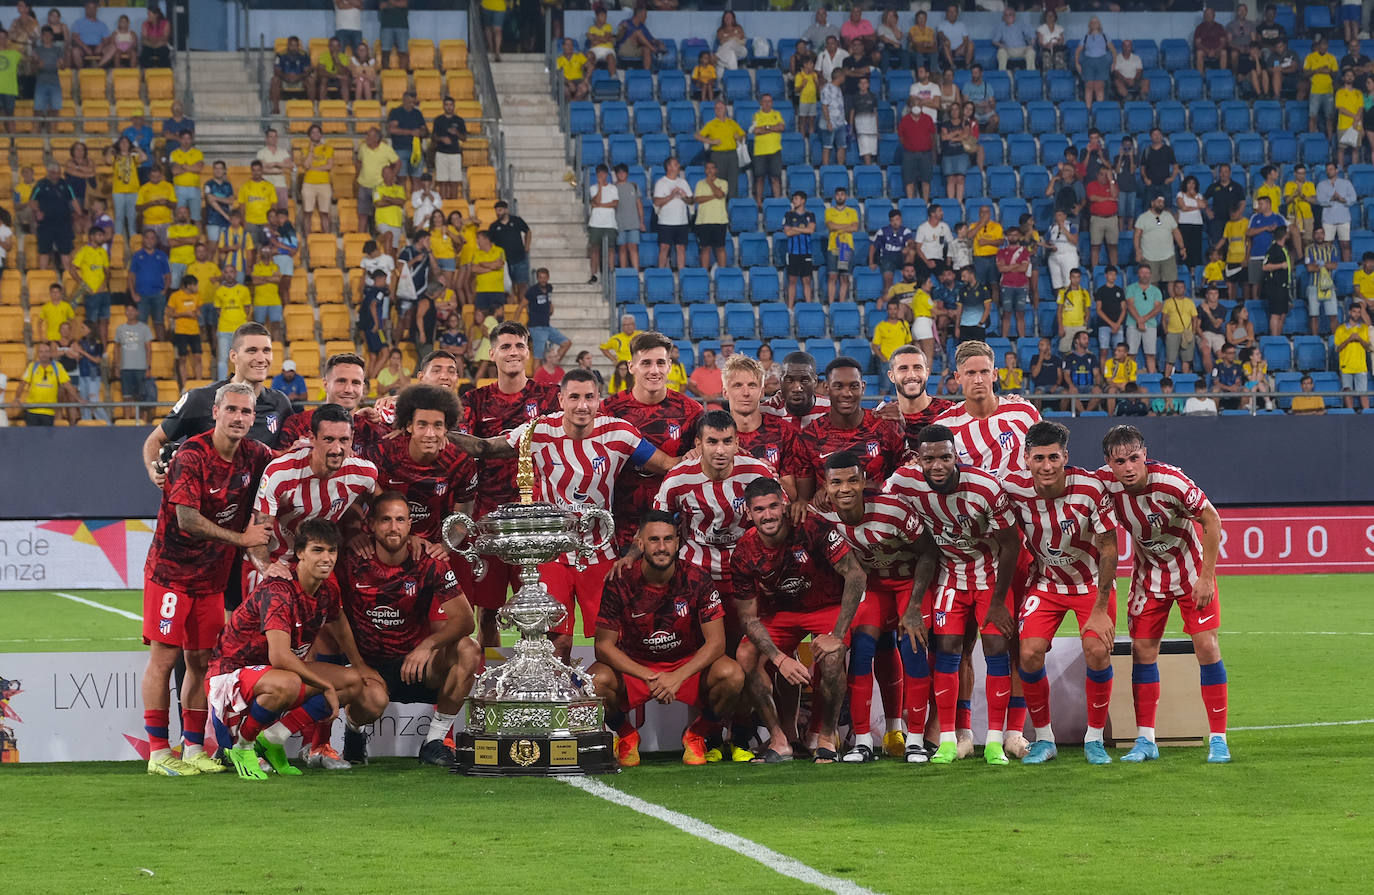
{"x":107,"y":554}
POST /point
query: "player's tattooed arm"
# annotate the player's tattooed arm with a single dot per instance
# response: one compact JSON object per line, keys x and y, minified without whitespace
{"x":855,"y":582}
{"x":791,"y":670}
{"x":1008,"y":550}
{"x":1100,"y":621}
{"x":482,"y":447}
{"x":1205,"y":588}
{"x":260,"y":556}
{"x":190,"y":520}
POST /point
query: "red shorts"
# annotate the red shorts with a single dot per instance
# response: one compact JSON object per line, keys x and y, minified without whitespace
{"x":492,"y":591}
{"x":956,"y":609}
{"x":231,"y":693}
{"x":180,"y":619}
{"x":788,"y":629}
{"x":878,"y":607}
{"x":1146,"y":616}
{"x":1020,"y":583}
{"x":568,"y":586}
{"x":692,"y":691}
{"x":1043,"y":610}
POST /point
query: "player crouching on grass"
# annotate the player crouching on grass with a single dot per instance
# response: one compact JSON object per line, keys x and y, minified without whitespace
{"x":261,"y":690}
{"x":1159,"y":506}
{"x":388,"y":591}
{"x":660,"y":634}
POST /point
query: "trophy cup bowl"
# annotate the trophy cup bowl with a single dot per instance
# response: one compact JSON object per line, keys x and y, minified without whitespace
{"x":533,"y":715}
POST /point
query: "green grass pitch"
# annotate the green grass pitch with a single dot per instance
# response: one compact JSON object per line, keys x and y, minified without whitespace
{"x":1293,"y":813}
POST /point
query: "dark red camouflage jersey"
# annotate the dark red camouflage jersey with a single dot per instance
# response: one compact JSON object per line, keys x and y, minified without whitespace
{"x":670,"y":426}
{"x":660,"y":623}
{"x":388,"y":606}
{"x":798,"y":576}
{"x":915,"y":422}
{"x":432,"y":491}
{"x":366,"y":431}
{"x":278,"y":604}
{"x":775,"y":442}
{"x":488,"y":412}
{"x":878,"y":443}
{"x":221,"y":491}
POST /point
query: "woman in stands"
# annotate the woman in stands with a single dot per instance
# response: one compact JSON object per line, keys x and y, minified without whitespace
{"x":126,"y":158}
{"x":953,"y":156}
{"x":949,"y":92}
{"x":80,"y":172}
{"x":392,"y":378}
{"x":23,"y":35}
{"x":1191,"y":208}
{"x":924,"y":49}
{"x":890,"y":40}
{"x":363,"y":67}
{"x":156,"y":37}
{"x":974,"y":148}
{"x":731,"y":44}
{"x":62,"y":35}
{"x":1094,"y":59}
{"x":122,"y":50}
{"x":1240,"y":332}
{"x":770,"y":367}
{"x":1049,"y":40}
{"x":1062,"y":246}
{"x":622,"y":380}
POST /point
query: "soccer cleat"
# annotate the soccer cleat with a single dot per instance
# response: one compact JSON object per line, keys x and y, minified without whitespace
{"x":740,"y":754}
{"x":1096,"y":753}
{"x":693,"y":749}
{"x":275,"y":756}
{"x":964,"y":741}
{"x":894,"y":743}
{"x":245,"y":762}
{"x":994,"y":754}
{"x":946,"y":753}
{"x":1015,"y":745}
{"x":627,"y":749}
{"x":1218,"y":751}
{"x":436,"y":753}
{"x":205,"y":763}
{"x":171,"y":766}
{"x":355,"y":747}
{"x":1040,"y":752}
{"x":917,"y":754}
{"x":326,"y":757}
{"x":860,"y":754}
{"x":1143,"y":750}
{"x":714,"y":755}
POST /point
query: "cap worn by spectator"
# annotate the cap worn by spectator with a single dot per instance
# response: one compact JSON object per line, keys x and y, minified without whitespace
{"x":288,"y":366}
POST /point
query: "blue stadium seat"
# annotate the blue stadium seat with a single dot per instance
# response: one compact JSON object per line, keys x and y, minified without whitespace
{"x":954,"y":212}
{"x":1009,"y":211}
{"x":1202,"y":173}
{"x":1011,"y":117}
{"x":1021,"y":150}
{"x":1029,"y":85}
{"x":704,"y":320}
{"x":1188,"y":86}
{"x":868,"y":182}
{"x":914,"y":212}
{"x":994,"y":152}
{"x":744,"y":215}
{"x":590,"y":151}
{"x":672,"y":86}
{"x":656,"y":150}
{"x":694,"y":285}
{"x":604,"y":87}
{"x":769,"y":80}
{"x":1235,"y":116}
{"x":1041,"y":117}
{"x":739,"y":320}
{"x":786,"y":47}
{"x":1160,"y":81}
{"x":729,"y":285}
{"x":735,"y":85}
{"x":793,"y":149}
{"x":1034,"y":181}
{"x":775,"y":321}
{"x":1148,"y":51}
{"x":1216,"y":149}
{"x":754,"y":250}
{"x":810,"y":320}
{"x":801,"y":177}
{"x":1173,"y":115}
{"x":581,"y":118}
{"x":640,"y":314}
{"x":763,"y":284}
{"x":773,"y":212}
{"x":1295,"y":115}
{"x":898,"y":82}
{"x":622,"y":149}
{"x":1052,"y":148}
{"x":689,"y":51}
{"x":844,"y":319}
{"x":1361,"y":176}
{"x":860,"y":350}
{"x":1268,"y":115}
{"x":783,"y":347}
{"x":745,"y":110}
{"x":833,"y":177}
{"x":1309,"y":353}
{"x":1221,"y":85}
{"x":889,"y":149}
{"x":1001,"y":181}
{"x":1174,"y":54}
{"x":973,"y":184}
{"x":670,"y":320}
{"x":868,"y":284}
{"x":1277,"y":352}
{"x":648,"y":116}
{"x":1313,"y":149}
{"x":1316,"y":18}
{"x":1106,"y":116}
{"x":668,"y":59}
{"x":1000,"y":82}
{"x":659,"y":287}
{"x":1249,"y":149}
{"x":822,"y":350}
{"x":1325,"y":381}
{"x":639,"y":86}
{"x":1283,"y":148}
{"x":875,"y":214}
{"x":749,"y":347}
{"x":648,"y":249}
{"x":1060,"y":86}
{"x":626,"y":289}
{"x":1073,"y":116}
{"x":682,"y":117}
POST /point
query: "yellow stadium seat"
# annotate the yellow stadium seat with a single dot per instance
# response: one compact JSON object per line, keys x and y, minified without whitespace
{"x":394,"y":84}
{"x":485,"y":211}
{"x":160,"y":361}
{"x":481,"y":183}
{"x":10,"y":287}
{"x":67,"y":78}
{"x":342,"y":184}
{"x":348,"y":210}
{"x":300,"y":323}
{"x":94,"y":422}
{"x":300,"y":114}
{"x":476,"y":152}
{"x":461,"y":86}
{"x":159,"y":82}
{"x":316,"y":46}
{"x":92,"y":83}
{"x":306,"y":354}
{"x":11,"y":324}
{"x":421,"y":53}
{"x":126,"y":109}
{"x":124,"y":421}
{"x":13,"y":360}
{"x":23,"y":110}
{"x":160,"y":109}
{"x":453,"y":54}
{"x":334,"y":116}
{"x":239,"y":175}
{"x":353,"y":248}
{"x":322,"y":249}
{"x":298,"y":293}
{"x":338,"y":346}
{"x":329,"y":286}
{"x":39,"y":281}
{"x":66,"y":119}
{"x":366,"y":112}
{"x":168,"y":391}
{"x":335,"y":322}
{"x":126,"y":84}
{"x":343,"y":151}
{"x":95,"y":115}
{"x":428,"y":84}
{"x":469,"y":110}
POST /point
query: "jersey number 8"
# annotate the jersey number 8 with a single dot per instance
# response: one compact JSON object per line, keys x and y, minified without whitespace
{"x":169,"y":605}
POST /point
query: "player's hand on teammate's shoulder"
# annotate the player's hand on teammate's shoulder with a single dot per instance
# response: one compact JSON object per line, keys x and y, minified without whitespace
{"x":256,"y":534}
{"x":433,"y":549}
{"x":888,"y":410}
{"x":797,"y":510}
{"x":361,"y":544}
{"x":278,"y":569}
{"x":620,"y":566}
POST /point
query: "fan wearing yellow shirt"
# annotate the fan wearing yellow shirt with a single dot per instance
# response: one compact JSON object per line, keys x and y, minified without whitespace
{"x":890,"y":334}
{"x":677,"y":373}
{"x":266,"y":278}
{"x":183,"y":322}
{"x":207,"y":273}
{"x":317,"y":192}
{"x":156,"y":202}
{"x":842,"y":222}
{"x":1237,"y":249}
{"x":704,"y":79}
{"x":617,"y":347}
{"x":187,"y":163}
{"x":489,"y":273}
{"x":237,"y":247}
{"x":232,"y":300}
{"x":1074,"y":302}
{"x":257,"y":197}
{"x":91,"y":267}
{"x":1298,"y":196}
{"x":1181,"y":326}
{"x":182,"y":236}
{"x":388,"y":202}
{"x":1011,"y":379}
{"x":43,"y":382}
{"x":1349,"y":118}
{"x":807,"y":86}
{"x":1120,"y":370}
{"x":374,"y":155}
{"x":601,"y":40}
{"x":54,"y":312}
{"x":572,"y":65}
{"x":768,"y":128}
{"x":920,"y":310}
{"x":1364,"y":282}
{"x":1319,"y":66}
{"x":493,"y":21}
{"x":722,"y":135}
{"x":1352,"y":352}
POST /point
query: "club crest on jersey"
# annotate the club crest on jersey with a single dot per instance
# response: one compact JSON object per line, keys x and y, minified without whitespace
{"x":963,"y":520}
{"x":273,"y":423}
{"x":336,"y":505}
{"x":243,"y":479}
{"x":1065,"y":525}
{"x":1004,"y":440}
{"x":939,"y":617}
{"x":674,"y":430}
{"x":1156,"y":520}
{"x":738,"y":504}
{"x":409,"y":587}
{"x":800,"y":554}
{"x":598,"y":463}
{"x":770,"y":454}
{"x":681,"y":608}
{"x":164,"y":626}
{"x":874,"y":448}
{"x":531,"y":409}
{"x":440,"y":488}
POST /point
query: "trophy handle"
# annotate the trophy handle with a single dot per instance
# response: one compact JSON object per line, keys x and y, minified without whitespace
{"x":456,"y":541}
{"x":587,"y":520}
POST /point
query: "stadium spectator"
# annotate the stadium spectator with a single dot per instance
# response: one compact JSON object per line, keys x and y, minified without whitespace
{"x":450,"y":130}
{"x":1050,"y":42}
{"x":705,"y":384}
{"x":629,"y":218}
{"x":1118,"y":374}
{"x":1228,"y":378}
{"x":1126,"y":167}
{"x":768,"y":127}
{"x":219,"y":202}
{"x":1014,"y":39}
{"x":121,"y":48}
{"x":842,"y":222}
{"x":53,"y":313}
{"x":317,"y":192}
{"x":672,"y":198}
{"x":155,"y":36}
{"x":1352,"y":346}
{"x":978,"y":92}
{"x":722,"y":135}
{"x":617,"y":347}
{"x":889,"y":335}
{"x":703,"y":79}
{"x":1165,"y":404}
{"x":362,"y":72}
{"x":1200,"y":403}
{"x":1241,"y":42}
{"x":183,"y":323}
{"x":542,"y":331}
{"x":348,"y":22}
{"x":1082,"y":373}
{"x":1321,"y":264}
{"x":1355,"y":59}
{"x":1067,"y":190}
{"x":90,"y":269}
{"x":831,"y":59}
{"x":47,"y":58}
{"x":1102,"y":210}
{"x":44,"y":381}
{"x":1158,"y":166}
{"x":1046,"y":373}
{"x":1144,"y":304}
{"x":1211,"y":326}
{"x":512,"y":235}
{"x":424,"y":201}
{"x":1285,"y":65}
{"x":1306,"y":403}
{"x":1158,"y":242}
{"x":601,"y":40}
{"x":956,"y":46}
{"x":256,"y":197}
{"x":916,"y":133}
{"x":923,"y":43}
{"x":1209,"y":42}
{"x":973,"y":309}
{"x":890,"y":247}
{"x":86,"y":37}
{"x":1224,"y":194}
{"x":712,"y":218}
{"x":863,"y":120}
{"x":806,"y":86}
{"x":1013,"y":265}
{"x":1336,"y":196}
{"x":266,"y":280}
{"x":150,"y":276}
{"x":889,"y":40}
{"x":633,"y":39}
{"x":1180,"y":327}
{"x":1192,"y":209}
{"x":953,"y":153}
{"x":858,"y":28}
{"x":1319,"y":68}
{"x":1349,"y":104}
{"x":292,"y":74}
{"x":731,"y":44}
{"x":54,"y":209}
{"x":1093,"y":58}
{"x":798,"y":225}
{"x":373,"y":155}
{"x":333,"y":69}
{"x":1128,"y":73}
{"x":289,"y":382}
{"x":187,"y":161}
{"x":233,"y":302}
{"x":575,"y":70}
{"x":406,"y":127}
{"x":132,"y":339}
{"x":1110,"y":299}
{"x":950,"y":95}
{"x":182,"y":236}
{"x":173,"y":125}
{"x":1276,"y":281}
{"x":820,"y":29}
{"x":393,"y":18}
{"x":236,"y":246}
{"x":1062,"y":246}
{"x":833,"y":124}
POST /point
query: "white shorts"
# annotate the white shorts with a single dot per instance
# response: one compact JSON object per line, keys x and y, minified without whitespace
{"x":601,"y":52}
{"x":1338,"y":232}
{"x":1214,"y":341}
{"x":448,"y":167}
{"x":923,"y":329}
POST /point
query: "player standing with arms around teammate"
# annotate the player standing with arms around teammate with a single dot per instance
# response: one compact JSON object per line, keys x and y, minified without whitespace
{"x":202,"y":523}
{"x":1161,"y":507}
{"x":764,"y":436}
{"x":1069,"y":524}
{"x":909,"y":371}
{"x":660,"y":635}
{"x":345,"y":384}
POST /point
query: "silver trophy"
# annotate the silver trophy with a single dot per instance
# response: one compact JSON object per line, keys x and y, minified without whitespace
{"x":532,"y":715}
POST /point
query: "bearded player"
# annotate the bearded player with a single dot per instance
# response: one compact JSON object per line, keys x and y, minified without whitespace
{"x":388,"y":592}
{"x":790,"y":583}
{"x":796,"y":400}
{"x":970,"y":520}
{"x":261,"y":688}
{"x":577,"y":457}
{"x":847,"y":426}
{"x":882,"y":534}
{"x":666,"y":417}
{"x":764,"y":436}
{"x":201,"y":525}
{"x":909,"y":370}
{"x":345,"y":384}
{"x":660,"y":635}
{"x":1161,"y":508}
{"x":1069,"y":524}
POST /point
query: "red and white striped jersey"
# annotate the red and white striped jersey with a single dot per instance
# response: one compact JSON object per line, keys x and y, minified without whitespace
{"x":996,"y":444}
{"x":290,"y":493}
{"x":574,"y":471}
{"x":711,"y":513}
{"x":773,"y":405}
{"x":1059,"y":532}
{"x":1159,"y":518}
{"x":884,"y":541}
{"x":962,"y":523}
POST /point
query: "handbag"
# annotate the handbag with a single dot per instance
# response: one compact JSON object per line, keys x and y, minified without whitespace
{"x":405,"y":284}
{"x":742,"y":152}
{"x":1350,"y":137}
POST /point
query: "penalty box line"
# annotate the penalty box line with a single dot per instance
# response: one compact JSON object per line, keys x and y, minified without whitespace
{"x":1307,"y":724}
{"x":778,"y":863}
{"x":94,"y":605}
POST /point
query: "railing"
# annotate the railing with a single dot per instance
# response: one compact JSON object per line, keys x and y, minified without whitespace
{"x":480,"y":62}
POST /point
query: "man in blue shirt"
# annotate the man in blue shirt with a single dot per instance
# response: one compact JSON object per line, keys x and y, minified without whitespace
{"x":219,"y":201}
{"x":403,"y":126}
{"x":1014,"y":39}
{"x":798,"y":225}
{"x":1228,"y":377}
{"x":288,"y":383}
{"x":1261,"y":234}
{"x":1082,"y":372}
{"x":542,"y":330}
{"x":88,"y":35}
{"x":141,"y":135}
{"x":891,"y":247}
{"x":150,"y":276}
{"x":291,"y":72}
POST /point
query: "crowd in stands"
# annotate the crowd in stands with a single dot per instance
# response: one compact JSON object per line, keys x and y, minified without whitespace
{"x":862,"y":164}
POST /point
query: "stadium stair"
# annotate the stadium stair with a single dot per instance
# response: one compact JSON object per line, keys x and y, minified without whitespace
{"x":223,"y":85}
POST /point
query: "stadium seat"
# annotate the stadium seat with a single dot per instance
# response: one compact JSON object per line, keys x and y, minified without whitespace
{"x":1268,"y":116}
{"x":833,"y":177}
{"x":1235,"y":116}
{"x":639,"y":87}
{"x":656,"y":150}
{"x":753,"y":250}
{"x":1188,"y":85}
{"x":775,"y":321}
{"x":1106,"y":116}
{"x":1249,"y":149}
{"x":1028,"y":85}
{"x":868,"y":284}
{"x":1021,"y":150}
{"x":659,"y":287}
{"x":1283,"y":148}
{"x":622,"y":149}
{"x":1221,"y":85}
{"x":1041,"y":117}
{"x":604,"y":87}
{"x":648,"y":116}
{"x":810,"y":320}
{"x":744,"y":215}
{"x":822,"y":350}
{"x":1160,"y":81}
{"x":1073,"y":116}
{"x":1060,"y":86}
{"x":770,"y":81}
{"x":672,"y":86}
{"x":868,"y":182}
{"x":1216,"y":149}
{"x":704,"y":321}
{"x":736,"y":85}
{"x":1172,"y":115}
{"x":694,"y":285}
{"x":615,"y":117}
{"x":1277,"y":352}
{"x":1174,"y":54}
{"x":625,"y":286}
{"x":682,"y":117}
{"x":763,"y":284}
{"x":1309,"y":353}
{"x":860,"y":350}
{"x":729,"y":285}
{"x":844,"y":319}
{"x":739,"y":320}
{"x":1313,"y":149}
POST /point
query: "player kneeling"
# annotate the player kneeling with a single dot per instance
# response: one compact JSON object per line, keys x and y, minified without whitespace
{"x":261,"y":690}
{"x":387,"y":595}
{"x":660,"y":634}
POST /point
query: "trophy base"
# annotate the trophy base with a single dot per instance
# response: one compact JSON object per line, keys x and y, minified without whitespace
{"x":535,"y":755}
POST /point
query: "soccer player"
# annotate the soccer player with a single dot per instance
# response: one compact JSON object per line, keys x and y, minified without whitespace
{"x":660,"y":634}
{"x":970,"y":520}
{"x":882,"y":534}
{"x":847,"y":426}
{"x":1160,"y":506}
{"x":201,"y":525}
{"x":577,"y":455}
{"x":791,"y":582}
{"x":1069,"y":525}
{"x":388,"y":592}
{"x":666,"y":417}
{"x":909,"y":371}
{"x":797,"y":400}
{"x":494,"y":409}
{"x":261,"y":690}
{"x":345,"y":384}
{"x":764,"y":436}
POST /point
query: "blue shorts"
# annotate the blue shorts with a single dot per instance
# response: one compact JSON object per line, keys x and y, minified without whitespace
{"x":1097,"y":68}
{"x":267,"y":313}
{"x":491,"y":19}
{"x":286,"y":264}
{"x":1351,"y":13}
{"x":395,"y":39}
{"x":836,"y":139}
{"x":1016,"y":298}
{"x":954,"y":164}
{"x":152,"y":307}
{"x":888,"y":263}
{"x":373,"y":340}
{"x":627,"y":237}
{"x":349,"y":38}
{"x":407,"y":169}
{"x":541,"y":337}
{"x":520,"y":271}
{"x":985,"y":266}
{"x":98,"y":306}
{"x":7,"y":104}
{"x":447,"y":263}
{"x":47,"y":97}
{"x":1105,"y":337}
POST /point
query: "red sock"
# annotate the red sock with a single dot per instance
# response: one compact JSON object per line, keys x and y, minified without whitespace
{"x":998,"y":691}
{"x":626,"y":728}
{"x":193,"y":725}
{"x":916,"y":703}
{"x":861,"y":703}
{"x":963,"y":715}
{"x":1214,"y":698}
{"x":946,"y":690}
{"x":1098,"y":685}
{"x":887,"y":671}
{"x":704,"y":727}
{"x":1037,"y":692}
{"x":155,"y":723}
{"x":1145,"y":693}
{"x":297,"y":720}
{"x":1016,"y":714}
{"x":321,"y":735}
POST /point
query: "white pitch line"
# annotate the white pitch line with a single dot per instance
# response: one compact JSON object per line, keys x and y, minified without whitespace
{"x":1309,"y":724}
{"x":93,"y":604}
{"x":67,"y":639}
{"x":1300,"y":633}
{"x":779,"y":863}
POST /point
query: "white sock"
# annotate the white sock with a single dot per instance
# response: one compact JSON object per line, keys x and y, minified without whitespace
{"x":947,"y":737}
{"x":277,"y":733}
{"x":1222,"y":735}
{"x":896,"y":724}
{"x":963,"y":733}
{"x":191,"y":750}
{"x":1146,"y":732}
{"x":159,"y":754}
{"x":1094,"y":735}
{"x":439,"y":727}
{"x":995,"y":736}
{"x":863,"y":739}
{"x":1044,"y":734}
